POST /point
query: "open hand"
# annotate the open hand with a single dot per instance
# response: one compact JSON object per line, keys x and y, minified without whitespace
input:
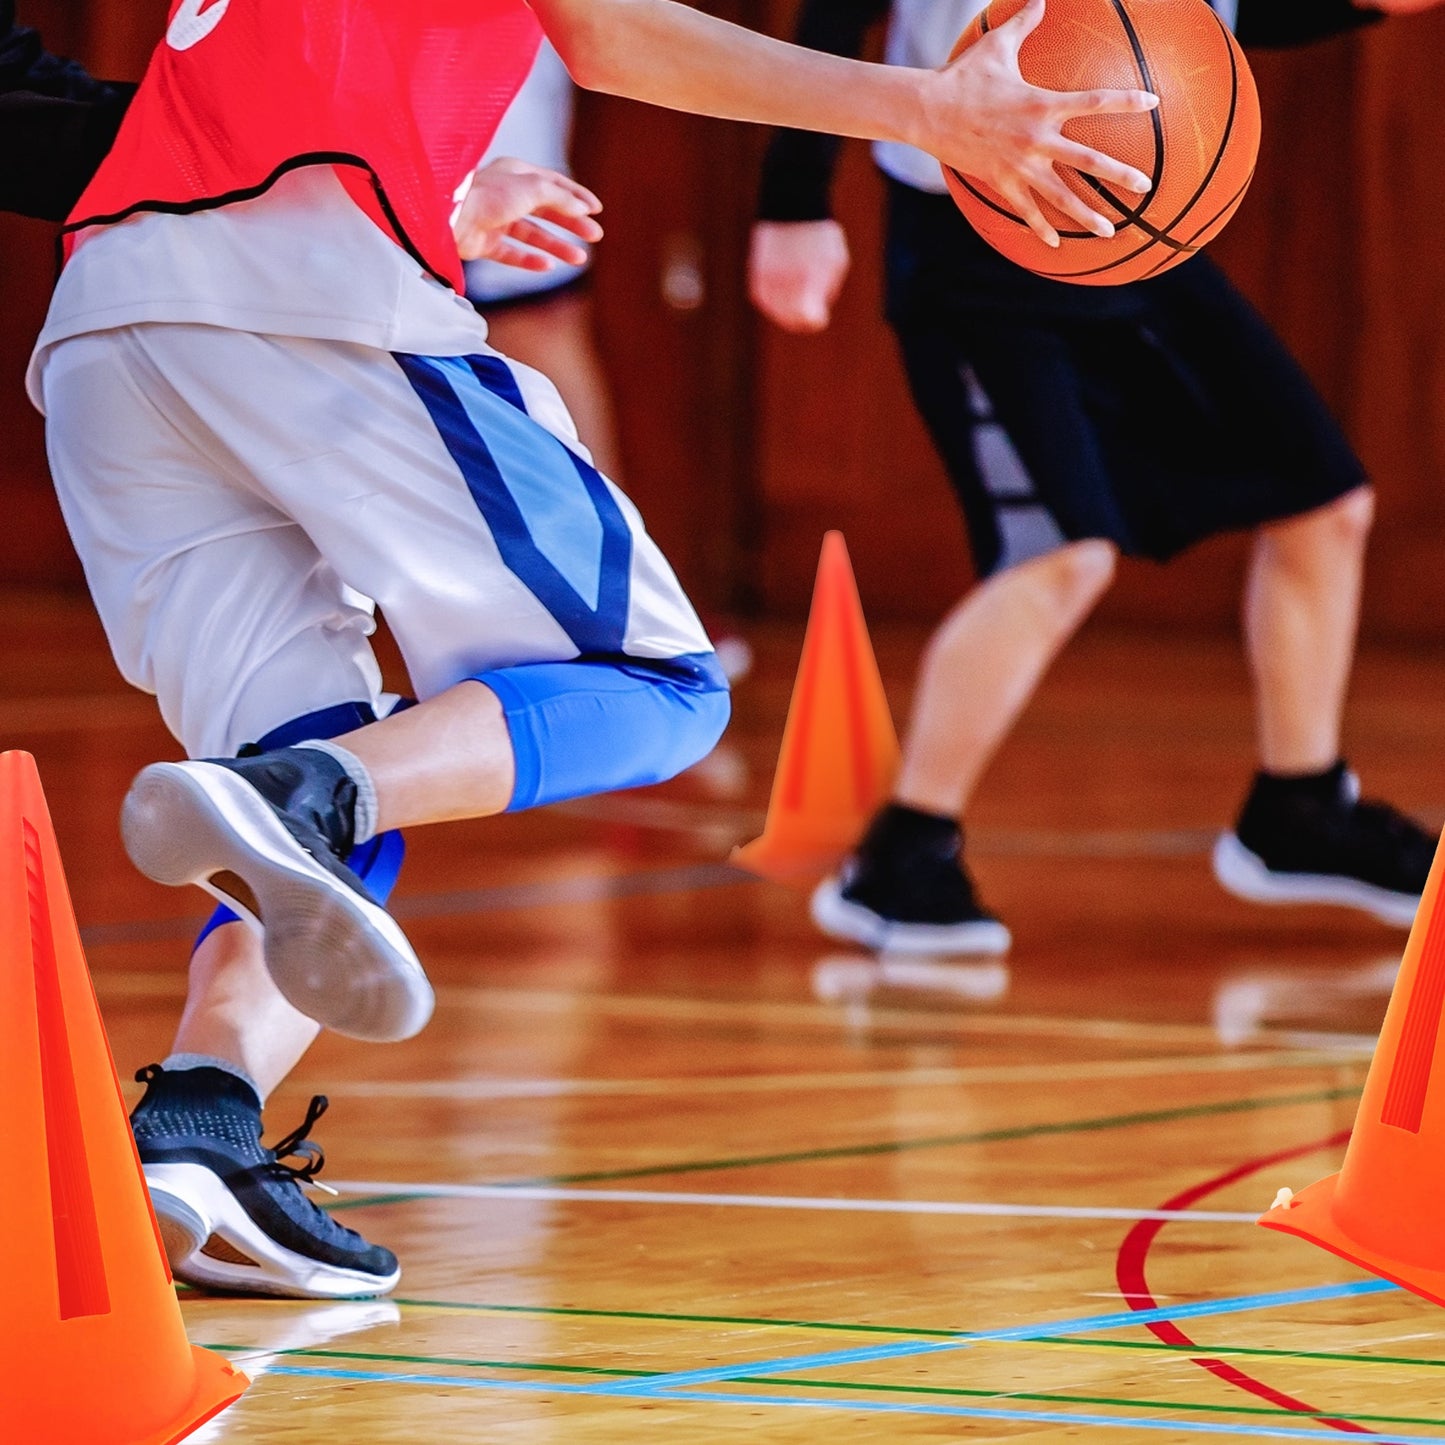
{"x":985,"y":120}
{"x":497,"y":219}
{"x":796,"y":270}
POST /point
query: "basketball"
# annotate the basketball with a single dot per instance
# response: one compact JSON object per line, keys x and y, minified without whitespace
{"x":1198,"y":147}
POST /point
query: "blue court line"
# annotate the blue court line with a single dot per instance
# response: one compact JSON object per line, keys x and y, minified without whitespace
{"x":853,"y":1406}
{"x":1089,"y":1324}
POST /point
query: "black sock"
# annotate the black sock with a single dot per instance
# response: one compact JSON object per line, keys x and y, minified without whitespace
{"x":900,"y":837}
{"x":1322,"y":787}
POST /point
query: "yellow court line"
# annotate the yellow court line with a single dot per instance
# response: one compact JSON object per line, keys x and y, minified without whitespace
{"x":505,"y":1088}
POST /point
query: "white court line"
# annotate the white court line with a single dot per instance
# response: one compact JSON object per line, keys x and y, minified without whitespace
{"x":554,"y":1195}
{"x":502,"y":1088}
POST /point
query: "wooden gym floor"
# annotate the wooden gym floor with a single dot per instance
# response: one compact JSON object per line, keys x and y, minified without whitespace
{"x":668,"y":1167}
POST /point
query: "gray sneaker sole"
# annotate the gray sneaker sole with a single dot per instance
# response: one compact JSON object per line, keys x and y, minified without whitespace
{"x":841,"y":918}
{"x":1246,"y":875}
{"x":336,"y":956}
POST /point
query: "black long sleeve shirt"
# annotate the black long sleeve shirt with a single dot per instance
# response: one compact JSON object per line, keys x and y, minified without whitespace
{"x":56,"y":123}
{"x":798,"y":170}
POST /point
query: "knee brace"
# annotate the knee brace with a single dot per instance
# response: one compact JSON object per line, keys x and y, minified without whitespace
{"x":595,"y":725}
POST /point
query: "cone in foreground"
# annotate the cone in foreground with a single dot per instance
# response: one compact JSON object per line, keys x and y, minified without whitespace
{"x":92,"y":1347}
{"x":840,"y":751}
{"x":1385,"y":1209}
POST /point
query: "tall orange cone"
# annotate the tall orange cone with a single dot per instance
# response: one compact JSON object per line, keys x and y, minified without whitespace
{"x":1383,"y":1211}
{"x":840,"y":752}
{"x":92,"y":1347}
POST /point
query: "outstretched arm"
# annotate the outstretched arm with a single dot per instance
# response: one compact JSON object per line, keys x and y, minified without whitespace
{"x":976,"y":114}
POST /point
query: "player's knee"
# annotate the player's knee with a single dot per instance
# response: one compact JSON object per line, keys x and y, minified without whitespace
{"x":1321,"y":536}
{"x":1351,"y":517}
{"x":697,"y":706}
{"x":1073,"y":578}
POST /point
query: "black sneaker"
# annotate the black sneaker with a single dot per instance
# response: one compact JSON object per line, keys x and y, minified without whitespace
{"x":1316,"y":842}
{"x":267,"y":835}
{"x":906,"y":890}
{"x":233,"y":1216}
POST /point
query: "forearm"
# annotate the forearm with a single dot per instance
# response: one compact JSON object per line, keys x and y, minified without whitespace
{"x":669,"y":55}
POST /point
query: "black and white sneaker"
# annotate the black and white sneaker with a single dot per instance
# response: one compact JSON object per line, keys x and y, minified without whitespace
{"x":233,"y":1215}
{"x":1312,"y":840}
{"x":906,"y":890}
{"x":267,"y":835}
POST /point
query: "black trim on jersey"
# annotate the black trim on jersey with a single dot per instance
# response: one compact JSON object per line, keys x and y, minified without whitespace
{"x":251,"y":193}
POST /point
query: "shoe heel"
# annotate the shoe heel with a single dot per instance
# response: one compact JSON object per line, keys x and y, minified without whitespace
{"x":148,"y":826}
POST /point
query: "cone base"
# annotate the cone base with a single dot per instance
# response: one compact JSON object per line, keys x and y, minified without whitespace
{"x":797,"y":862}
{"x":217,"y":1385}
{"x":1310,"y":1216}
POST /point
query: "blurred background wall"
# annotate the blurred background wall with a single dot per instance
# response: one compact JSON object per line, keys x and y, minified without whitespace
{"x":742,"y":445}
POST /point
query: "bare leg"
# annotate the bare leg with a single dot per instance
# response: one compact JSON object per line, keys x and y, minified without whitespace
{"x":235,"y":1013}
{"x":448,"y":757}
{"x":983,"y":664}
{"x":555,"y":337}
{"x":1301,"y":613}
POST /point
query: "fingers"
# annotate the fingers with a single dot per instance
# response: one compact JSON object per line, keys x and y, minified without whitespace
{"x":547,"y":241}
{"x":1070,"y":103}
{"x":508,"y":253}
{"x":1014,"y":32}
{"x":1103,"y":168}
{"x":1053,"y":189}
{"x":1023,"y":202}
{"x":583,"y":227}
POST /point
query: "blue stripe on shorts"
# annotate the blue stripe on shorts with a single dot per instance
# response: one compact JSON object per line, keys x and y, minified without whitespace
{"x":554,"y":519}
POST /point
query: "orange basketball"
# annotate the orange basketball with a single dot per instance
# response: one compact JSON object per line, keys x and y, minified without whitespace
{"x":1198,"y":147}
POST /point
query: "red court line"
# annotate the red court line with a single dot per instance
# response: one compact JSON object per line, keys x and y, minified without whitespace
{"x":1133,"y":1257}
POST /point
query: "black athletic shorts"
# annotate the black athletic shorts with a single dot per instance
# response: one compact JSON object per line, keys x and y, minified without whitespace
{"x":1153,"y":414}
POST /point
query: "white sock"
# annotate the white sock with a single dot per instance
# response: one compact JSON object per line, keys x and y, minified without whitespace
{"x":367,"y":808}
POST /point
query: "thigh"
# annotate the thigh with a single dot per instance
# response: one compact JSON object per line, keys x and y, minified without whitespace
{"x":453,"y":492}
{"x":211,"y":597}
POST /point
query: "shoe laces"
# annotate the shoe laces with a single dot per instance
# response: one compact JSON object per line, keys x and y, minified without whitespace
{"x":297,"y":1145}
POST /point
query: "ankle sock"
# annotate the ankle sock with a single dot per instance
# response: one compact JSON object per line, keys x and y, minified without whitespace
{"x":900,"y":836}
{"x":367,"y":808}
{"x":184,"y":1063}
{"x":1322,"y":787}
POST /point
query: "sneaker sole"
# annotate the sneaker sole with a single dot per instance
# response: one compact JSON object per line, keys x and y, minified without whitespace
{"x":195,"y":1210}
{"x":841,"y":918}
{"x":1246,"y":875}
{"x":337,"y":957}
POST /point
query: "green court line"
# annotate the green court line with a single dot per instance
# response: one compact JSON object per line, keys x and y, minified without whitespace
{"x":900,"y":1146}
{"x":876,"y":1387}
{"x":910,"y":1331}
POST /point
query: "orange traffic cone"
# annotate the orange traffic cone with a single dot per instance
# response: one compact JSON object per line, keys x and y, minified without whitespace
{"x":92,"y":1347}
{"x":840,"y":752}
{"x":1382,"y":1211}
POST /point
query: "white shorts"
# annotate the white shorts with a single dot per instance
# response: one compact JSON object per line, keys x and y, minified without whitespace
{"x":242,"y":503}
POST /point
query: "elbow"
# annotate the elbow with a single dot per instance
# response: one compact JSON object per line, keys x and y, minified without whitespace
{"x":581,"y":35}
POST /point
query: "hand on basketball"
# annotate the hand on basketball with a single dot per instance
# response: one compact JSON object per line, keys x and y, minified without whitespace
{"x":498,"y":218}
{"x":991,"y":124}
{"x":796,"y":270}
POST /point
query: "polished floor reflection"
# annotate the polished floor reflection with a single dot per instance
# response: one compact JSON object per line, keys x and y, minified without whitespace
{"x":668,"y":1166}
